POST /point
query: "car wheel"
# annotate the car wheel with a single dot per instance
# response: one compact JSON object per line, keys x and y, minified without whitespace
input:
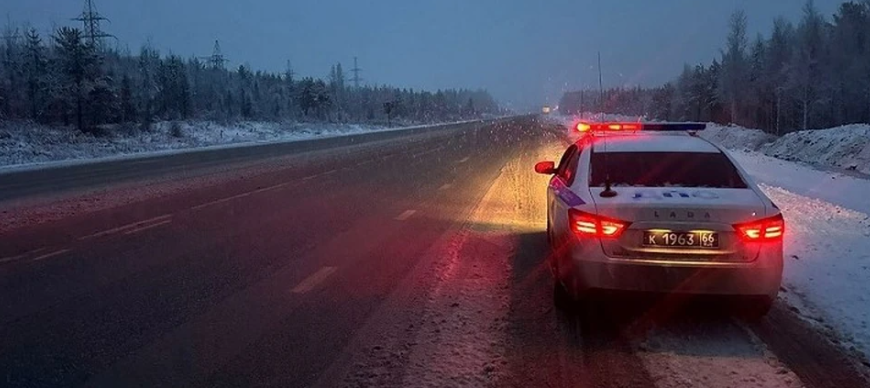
{"x":550,"y":235}
{"x":552,"y":260}
{"x":562,"y":298}
{"x":755,"y":308}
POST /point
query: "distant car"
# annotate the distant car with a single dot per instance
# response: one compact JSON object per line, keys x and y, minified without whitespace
{"x":654,"y":208}
{"x":546,"y":110}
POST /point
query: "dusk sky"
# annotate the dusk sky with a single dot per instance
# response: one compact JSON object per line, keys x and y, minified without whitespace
{"x":524,"y":52}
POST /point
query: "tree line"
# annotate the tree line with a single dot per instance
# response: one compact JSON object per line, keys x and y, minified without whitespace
{"x":815,"y":74}
{"x":67,"y":79}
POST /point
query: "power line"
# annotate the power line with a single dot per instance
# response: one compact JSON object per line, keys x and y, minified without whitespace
{"x":91,"y":19}
{"x":216,"y":60}
{"x":289,"y":72}
{"x":356,"y":70}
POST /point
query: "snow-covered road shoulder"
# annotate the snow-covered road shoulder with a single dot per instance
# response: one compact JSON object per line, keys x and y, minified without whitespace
{"x":846,"y":147}
{"x":27,"y":145}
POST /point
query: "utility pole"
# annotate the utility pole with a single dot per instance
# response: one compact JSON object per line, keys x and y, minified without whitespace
{"x":356,"y":70}
{"x":600,"y":84}
{"x":91,"y":19}
{"x":216,"y":60}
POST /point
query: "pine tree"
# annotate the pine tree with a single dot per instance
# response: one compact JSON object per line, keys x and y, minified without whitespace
{"x":128,"y":106}
{"x":77,"y":62}
{"x":35,"y":69}
{"x":733,"y":80}
{"x":805,"y":63}
{"x":149,"y":64}
{"x":779,"y":53}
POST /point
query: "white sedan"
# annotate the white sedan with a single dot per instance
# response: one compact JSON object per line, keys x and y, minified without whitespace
{"x":654,"y":208}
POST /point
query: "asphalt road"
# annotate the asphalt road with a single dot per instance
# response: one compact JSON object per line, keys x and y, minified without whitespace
{"x":21,"y":183}
{"x":415,"y":261}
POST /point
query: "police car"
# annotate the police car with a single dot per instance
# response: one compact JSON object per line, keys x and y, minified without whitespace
{"x":652,"y":207}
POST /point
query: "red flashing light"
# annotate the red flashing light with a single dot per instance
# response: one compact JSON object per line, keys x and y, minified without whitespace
{"x":606,"y":127}
{"x":591,"y":225}
{"x":767,"y":229}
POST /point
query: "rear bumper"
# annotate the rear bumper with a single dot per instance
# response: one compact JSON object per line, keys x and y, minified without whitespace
{"x":761,"y":277}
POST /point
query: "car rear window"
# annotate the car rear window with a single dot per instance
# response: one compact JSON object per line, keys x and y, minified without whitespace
{"x":665,"y":169}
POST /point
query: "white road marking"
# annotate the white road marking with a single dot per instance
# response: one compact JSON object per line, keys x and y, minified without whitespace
{"x":242,"y":195}
{"x":21,"y":256}
{"x":227,"y":199}
{"x":125,"y":227}
{"x":215,"y":202}
{"x":329,"y":172}
{"x":405,"y":215}
{"x":270,"y":188}
{"x":146,"y":227}
{"x":52,"y":254}
{"x":445,"y":186}
{"x":13,"y":258}
{"x":313,"y":280}
{"x":465,"y":159}
{"x":310,"y":177}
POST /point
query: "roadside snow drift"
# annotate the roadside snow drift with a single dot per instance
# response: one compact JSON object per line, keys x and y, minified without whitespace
{"x":28,"y":143}
{"x":845,"y":147}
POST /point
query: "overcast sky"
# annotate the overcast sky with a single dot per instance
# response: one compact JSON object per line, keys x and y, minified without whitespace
{"x":524,"y":52}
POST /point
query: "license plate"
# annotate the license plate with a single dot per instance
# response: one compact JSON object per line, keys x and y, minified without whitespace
{"x":708,"y":240}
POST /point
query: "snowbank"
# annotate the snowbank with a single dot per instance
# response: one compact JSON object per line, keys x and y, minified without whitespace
{"x":27,"y":143}
{"x":846,"y":147}
{"x":737,"y":137}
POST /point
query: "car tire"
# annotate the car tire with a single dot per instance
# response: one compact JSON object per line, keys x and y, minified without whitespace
{"x":550,"y":236}
{"x":562,"y":298}
{"x":755,"y":308}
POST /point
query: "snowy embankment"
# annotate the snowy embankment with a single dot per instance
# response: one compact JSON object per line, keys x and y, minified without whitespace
{"x":827,"y":247}
{"x":846,"y":147}
{"x":27,"y":143}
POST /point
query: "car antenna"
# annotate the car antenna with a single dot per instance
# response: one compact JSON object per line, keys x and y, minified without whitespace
{"x":608,"y":190}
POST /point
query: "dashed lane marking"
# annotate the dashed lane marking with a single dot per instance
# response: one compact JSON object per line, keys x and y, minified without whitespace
{"x":21,"y":256}
{"x":146,"y":227}
{"x":278,"y":186}
{"x":445,"y":186}
{"x":313,"y":280}
{"x":51,"y":254}
{"x":465,"y":159}
{"x":242,"y":195}
{"x":126,"y":227}
{"x":405,"y":215}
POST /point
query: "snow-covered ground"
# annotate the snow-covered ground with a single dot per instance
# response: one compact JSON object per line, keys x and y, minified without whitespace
{"x":24,"y":143}
{"x":846,"y":147}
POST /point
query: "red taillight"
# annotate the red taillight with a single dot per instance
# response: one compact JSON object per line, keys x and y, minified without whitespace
{"x":767,"y":229}
{"x":591,"y":225}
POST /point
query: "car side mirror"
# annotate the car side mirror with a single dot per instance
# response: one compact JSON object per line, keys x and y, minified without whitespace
{"x":547,"y":168}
